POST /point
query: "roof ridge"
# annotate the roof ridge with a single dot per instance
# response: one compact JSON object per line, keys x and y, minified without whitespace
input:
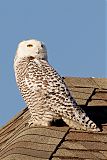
{"x":19,"y":114}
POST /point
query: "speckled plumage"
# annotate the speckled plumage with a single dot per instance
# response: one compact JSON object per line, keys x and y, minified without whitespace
{"x":44,"y":91}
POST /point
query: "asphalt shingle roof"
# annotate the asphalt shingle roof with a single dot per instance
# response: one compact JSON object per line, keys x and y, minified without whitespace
{"x":20,"y":142}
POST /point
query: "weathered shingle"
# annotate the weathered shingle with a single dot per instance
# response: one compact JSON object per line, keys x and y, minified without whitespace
{"x":101,"y":82}
{"x":81,"y":82}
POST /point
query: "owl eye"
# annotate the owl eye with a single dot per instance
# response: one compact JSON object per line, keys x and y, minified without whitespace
{"x":29,"y":45}
{"x":42,"y":45}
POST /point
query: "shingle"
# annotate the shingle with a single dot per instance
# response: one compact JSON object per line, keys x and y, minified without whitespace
{"x":83,"y":136}
{"x":44,"y":131}
{"x":38,"y":135}
{"x":27,"y":146}
{"x":82,"y":90}
{"x":94,"y":145}
{"x":101,"y":138}
{"x":11,"y":131}
{"x":81,"y":82}
{"x":99,"y":155}
{"x":81,"y":101}
{"x":18,"y":117}
{"x":101,"y":82}
{"x":4,"y":139}
{"x":75,"y":154}
{"x":101,"y":90}
{"x":72,"y":145}
{"x":81,"y":98}
{"x":60,"y":129}
{"x":67,"y":158}
{"x":22,"y":157}
{"x":44,"y":139}
{"x":37,"y":139}
{"x":28,"y":152}
{"x":97,"y":103}
{"x":68,"y":82}
{"x":100,"y":96}
{"x":15,"y":124}
{"x":33,"y":145}
{"x":104,"y":153}
{"x":56,"y":158}
{"x":79,"y":95}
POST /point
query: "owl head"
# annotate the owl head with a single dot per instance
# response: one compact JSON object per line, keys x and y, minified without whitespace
{"x":31,"y":48}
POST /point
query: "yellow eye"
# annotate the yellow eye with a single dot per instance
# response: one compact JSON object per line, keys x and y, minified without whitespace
{"x":29,"y":45}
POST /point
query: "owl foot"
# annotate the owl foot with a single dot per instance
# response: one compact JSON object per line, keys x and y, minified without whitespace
{"x":32,"y":123}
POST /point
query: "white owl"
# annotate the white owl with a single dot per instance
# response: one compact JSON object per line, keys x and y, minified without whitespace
{"x":44,"y":91}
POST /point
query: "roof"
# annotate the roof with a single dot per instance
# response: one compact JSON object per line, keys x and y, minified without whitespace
{"x":20,"y":142}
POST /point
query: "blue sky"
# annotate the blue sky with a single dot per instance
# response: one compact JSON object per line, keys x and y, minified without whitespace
{"x":73,"y":31}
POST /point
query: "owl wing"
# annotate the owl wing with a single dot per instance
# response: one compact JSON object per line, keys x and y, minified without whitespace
{"x":43,"y":80}
{"x":50,"y":93}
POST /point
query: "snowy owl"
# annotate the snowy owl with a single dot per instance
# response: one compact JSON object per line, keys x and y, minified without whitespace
{"x":44,"y":91}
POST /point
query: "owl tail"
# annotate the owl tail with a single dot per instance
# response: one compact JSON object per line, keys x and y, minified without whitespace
{"x":81,"y":121}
